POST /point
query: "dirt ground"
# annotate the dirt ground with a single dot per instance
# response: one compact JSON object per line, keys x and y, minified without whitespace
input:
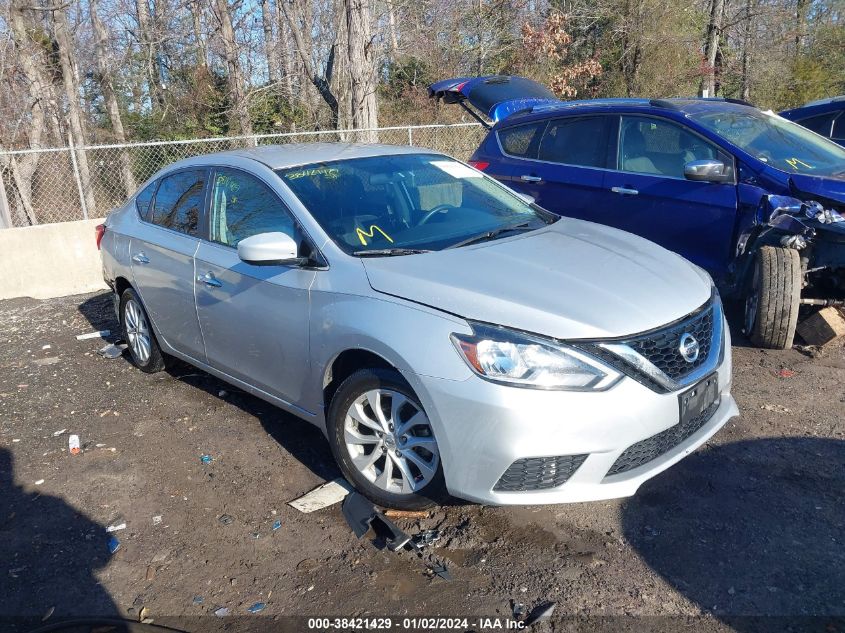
{"x":738,"y":536}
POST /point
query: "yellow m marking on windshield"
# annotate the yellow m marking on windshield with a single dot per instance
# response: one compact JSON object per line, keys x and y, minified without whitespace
{"x":373,"y":228}
{"x":794,"y":162}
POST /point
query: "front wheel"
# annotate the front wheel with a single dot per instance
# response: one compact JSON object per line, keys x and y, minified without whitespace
{"x":773,"y":298}
{"x":383,"y":441}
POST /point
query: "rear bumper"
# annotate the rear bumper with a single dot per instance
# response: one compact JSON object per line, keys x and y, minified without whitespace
{"x":483,"y":428}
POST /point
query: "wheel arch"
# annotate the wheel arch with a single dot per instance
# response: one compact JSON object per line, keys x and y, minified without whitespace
{"x":346,"y":363}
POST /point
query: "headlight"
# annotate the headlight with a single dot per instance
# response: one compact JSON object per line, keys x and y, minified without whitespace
{"x":511,"y":357}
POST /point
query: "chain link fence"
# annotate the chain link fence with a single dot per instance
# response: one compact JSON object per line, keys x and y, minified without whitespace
{"x":48,"y":185}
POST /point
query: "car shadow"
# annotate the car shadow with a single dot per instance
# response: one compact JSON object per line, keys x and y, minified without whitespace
{"x":51,"y":552}
{"x":302,"y":440}
{"x":751,"y":532}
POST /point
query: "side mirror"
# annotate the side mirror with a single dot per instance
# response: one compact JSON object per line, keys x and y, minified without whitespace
{"x":528,"y":199}
{"x":707,"y":171}
{"x":269,"y":249}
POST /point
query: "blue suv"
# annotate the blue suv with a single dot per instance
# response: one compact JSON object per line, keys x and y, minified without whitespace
{"x":747,"y":195}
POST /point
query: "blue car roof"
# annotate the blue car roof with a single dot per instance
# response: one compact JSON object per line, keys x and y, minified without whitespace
{"x":820,"y":106}
{"x":688,"y":105}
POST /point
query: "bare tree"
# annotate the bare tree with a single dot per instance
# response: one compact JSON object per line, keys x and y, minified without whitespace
{"x":321,"y":78}
{"x":148,"y":39}
{"x":362,"y":71}
{"x":239,"y":116}
{"x":711,"y":48}
{"x":58,"y":13}
{"x":104,"y":76}
{"x":274,"y":70}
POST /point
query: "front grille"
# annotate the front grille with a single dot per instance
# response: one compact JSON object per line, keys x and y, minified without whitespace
{"x":662,"y":348}
{"x":538,"y":473}
{"x":653,"y":447}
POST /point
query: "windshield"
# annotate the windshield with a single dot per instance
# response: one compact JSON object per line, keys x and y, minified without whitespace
{"x":778,"y":142}
{"x":408,"y":201}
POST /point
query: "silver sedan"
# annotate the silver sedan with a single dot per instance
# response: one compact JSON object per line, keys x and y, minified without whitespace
{"x":446,"y":334}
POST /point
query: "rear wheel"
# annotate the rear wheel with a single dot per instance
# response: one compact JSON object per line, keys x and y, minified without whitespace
{"x":383,"y":441}
{"x":139,"y":335}
{"x":773,"y":298}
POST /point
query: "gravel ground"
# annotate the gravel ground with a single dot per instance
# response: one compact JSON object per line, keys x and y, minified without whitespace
{"x":750,"y":525}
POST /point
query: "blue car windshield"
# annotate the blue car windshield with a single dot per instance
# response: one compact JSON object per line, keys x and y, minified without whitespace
{"x":778,"y":142}
{"x":387,"y":204}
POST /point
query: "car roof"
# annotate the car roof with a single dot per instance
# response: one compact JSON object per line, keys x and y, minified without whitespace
{"x":684,"y":106}
{"x":297,"y":154}
{"x":820,"y":106}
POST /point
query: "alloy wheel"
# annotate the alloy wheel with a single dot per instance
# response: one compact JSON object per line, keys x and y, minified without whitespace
{"x":137,"y":331}
{"x":390,"y":441}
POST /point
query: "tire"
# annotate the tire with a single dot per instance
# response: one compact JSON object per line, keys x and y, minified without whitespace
{"x":136,"y":327}
{"x":392,"y":486}
{"x":773,"y":298}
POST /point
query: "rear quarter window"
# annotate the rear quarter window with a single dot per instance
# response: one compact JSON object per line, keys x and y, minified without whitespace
{"x":522,"y":140}
{"x":179,"y":201}
{"x":145,"y":198}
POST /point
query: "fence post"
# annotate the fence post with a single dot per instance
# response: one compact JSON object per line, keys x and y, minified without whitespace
{"x":77,"y":176}
{"x":5,"y":214}
{"x":410,"y":136}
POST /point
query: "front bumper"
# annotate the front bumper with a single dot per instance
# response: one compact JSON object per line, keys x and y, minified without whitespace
{"x":482,"y":428}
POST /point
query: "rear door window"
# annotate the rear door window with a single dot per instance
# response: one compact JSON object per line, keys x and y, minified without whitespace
{"x":838,"y":132}
{"x":522,"y":140}
{"x":582,"y":141}
{"x":819,"y":124}
{"x":179,"y":201}
{"x":648,"y":145}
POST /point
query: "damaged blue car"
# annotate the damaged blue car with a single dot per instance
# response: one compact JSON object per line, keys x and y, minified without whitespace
{"x":754,"y":199}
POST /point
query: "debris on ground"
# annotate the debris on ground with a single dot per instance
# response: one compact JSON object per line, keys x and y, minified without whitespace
{"x":517,"y":610}
{"x":277,"y":524}
{"x":151,"y":573}
{"x":50,"y":360}
{"x":143,"y":615}
{"x":257,"y":607}
{"x":406,"y":514}
{"x":90,"y":335}
{"x":540,"y":612}
{"x":222,"y":393}
{"x":73,"y":445}
{"x":226,"y":519}
{"x":426,"y":537}
{"x":777,"y":408}
{"x":323,"y":496}
{"x":59,"y":432}
{"x":362,"y":516}
{"x":116,"y":527}
{"x":826,"y":325}
{"x":112,"y":350}
{"x":783,"y":372}
{"x":198,"y":600}
{"x":39,"y":482}
{"x":113,"y":544}
{"x":206,"y":459}
{"x":222,"y":612}
{"x":157,"y":519}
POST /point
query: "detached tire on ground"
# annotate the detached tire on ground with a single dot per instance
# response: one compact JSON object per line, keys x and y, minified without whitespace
{"x":773,"y":298}
{"x":383,"y":441}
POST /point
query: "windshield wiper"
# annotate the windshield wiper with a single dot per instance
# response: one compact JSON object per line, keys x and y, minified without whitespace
{"x":489,"y":235}
{"x":390,"y":252}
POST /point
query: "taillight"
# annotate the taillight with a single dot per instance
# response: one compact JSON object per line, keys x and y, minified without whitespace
{"x":99,"y":231}
{"x":480,"y":165}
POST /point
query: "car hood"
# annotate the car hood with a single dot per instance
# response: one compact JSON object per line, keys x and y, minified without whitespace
{"x":814,"y":187}
{"x":571,"y":280}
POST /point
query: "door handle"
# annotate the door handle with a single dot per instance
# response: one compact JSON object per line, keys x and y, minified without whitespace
{"x":209,"y":280}
{"x":625,"y":191}
{"x":140,"y":258}
{"x":527,"y":178}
